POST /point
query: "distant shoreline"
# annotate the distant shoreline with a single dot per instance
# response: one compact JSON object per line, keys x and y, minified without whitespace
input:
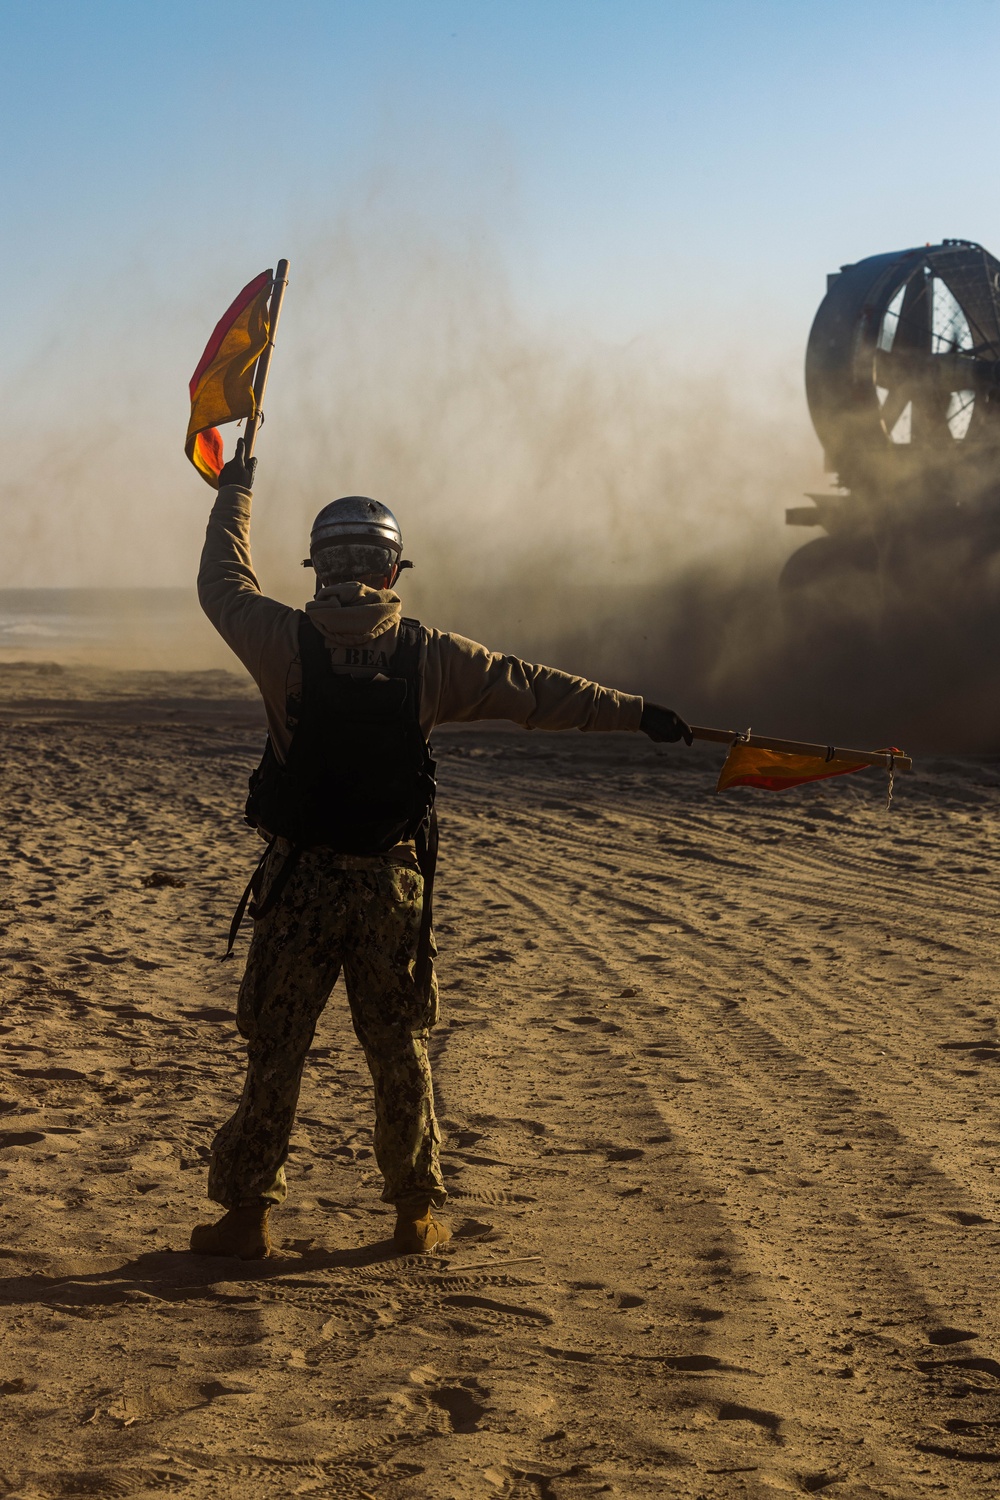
{"x":150,"y":628}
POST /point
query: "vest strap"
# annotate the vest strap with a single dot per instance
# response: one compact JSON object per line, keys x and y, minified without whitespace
{"x":426,"y":841}
{"x":244,"y":901}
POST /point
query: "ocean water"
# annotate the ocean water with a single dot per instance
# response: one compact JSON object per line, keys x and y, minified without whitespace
{"x":127,"y":627}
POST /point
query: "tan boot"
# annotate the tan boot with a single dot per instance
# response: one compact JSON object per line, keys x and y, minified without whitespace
{"x":417,"y":1232}
{"x":242,"y":1232}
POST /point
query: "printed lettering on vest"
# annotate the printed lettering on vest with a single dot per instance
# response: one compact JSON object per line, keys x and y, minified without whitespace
{"x":364,"y":656}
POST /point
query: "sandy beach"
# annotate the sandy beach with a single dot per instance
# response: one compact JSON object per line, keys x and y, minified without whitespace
{"x":717,"y":1083}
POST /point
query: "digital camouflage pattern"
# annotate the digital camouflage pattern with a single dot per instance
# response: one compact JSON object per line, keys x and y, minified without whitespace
{"x":362,"y":916}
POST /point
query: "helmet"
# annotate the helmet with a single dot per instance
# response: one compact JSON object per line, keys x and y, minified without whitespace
{"x":355,"y":520}
{"x":353,"y":537}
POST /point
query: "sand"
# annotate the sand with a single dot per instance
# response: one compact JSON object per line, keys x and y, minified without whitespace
{"x":716,"y":1078}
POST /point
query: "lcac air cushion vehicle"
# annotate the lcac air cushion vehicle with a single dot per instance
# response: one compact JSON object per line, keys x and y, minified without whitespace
{"x":903,"y":386}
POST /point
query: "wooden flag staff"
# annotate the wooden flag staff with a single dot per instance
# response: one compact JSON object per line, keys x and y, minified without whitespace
{"x":890,"y":760}
{"x":264,"y":362}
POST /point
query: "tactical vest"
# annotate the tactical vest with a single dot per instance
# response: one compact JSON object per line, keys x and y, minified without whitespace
{"x":358,"y":777}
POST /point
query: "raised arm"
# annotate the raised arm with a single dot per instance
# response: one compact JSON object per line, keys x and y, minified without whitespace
{"x":228,"y":590}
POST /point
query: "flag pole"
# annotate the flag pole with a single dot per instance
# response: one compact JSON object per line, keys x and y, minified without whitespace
{"x":888,"y":759}
{"x":264,"y":362}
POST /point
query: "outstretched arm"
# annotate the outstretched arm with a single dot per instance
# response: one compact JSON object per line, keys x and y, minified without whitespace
{"x":464,"y":681}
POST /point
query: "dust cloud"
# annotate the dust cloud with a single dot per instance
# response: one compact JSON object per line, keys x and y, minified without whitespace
{"x":613,"y":510}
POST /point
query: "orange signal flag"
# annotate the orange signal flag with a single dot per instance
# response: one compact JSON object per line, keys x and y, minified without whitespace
{"x":222,"y":385}
{"x":775,"y":770}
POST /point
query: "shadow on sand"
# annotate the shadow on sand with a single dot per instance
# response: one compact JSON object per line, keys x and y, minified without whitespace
{"x":179,"y":1276}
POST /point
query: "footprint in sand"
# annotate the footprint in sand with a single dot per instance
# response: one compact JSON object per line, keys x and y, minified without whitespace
{"x":768,"y":1421}
{"x":948,"y":1335}
{"x":463,"y":1402}
{"x":705,"y":1314}
{"x":10,"y":1138}
{"x":504,"y":1312}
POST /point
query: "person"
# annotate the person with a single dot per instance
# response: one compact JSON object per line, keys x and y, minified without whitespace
{"x":344,"y":796}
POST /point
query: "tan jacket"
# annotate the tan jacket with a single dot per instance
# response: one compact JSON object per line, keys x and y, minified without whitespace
{"x":460,"y":680}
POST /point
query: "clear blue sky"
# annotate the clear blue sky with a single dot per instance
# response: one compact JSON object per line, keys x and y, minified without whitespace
{"x":682,"y":171}
{"x":612,"y":148}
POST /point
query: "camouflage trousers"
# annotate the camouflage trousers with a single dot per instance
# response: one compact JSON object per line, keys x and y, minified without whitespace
{"x":364,"y":920}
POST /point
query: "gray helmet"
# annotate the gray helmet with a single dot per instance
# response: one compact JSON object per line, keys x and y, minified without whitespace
{"x":352,"y":537}
{"x":355,"y":520}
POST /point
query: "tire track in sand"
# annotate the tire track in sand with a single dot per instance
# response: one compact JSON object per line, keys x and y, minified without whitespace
{"x":834,"y":1186}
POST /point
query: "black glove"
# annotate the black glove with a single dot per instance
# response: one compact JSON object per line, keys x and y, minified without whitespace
{"x":238,"y":470}
{"x":663,"y":725}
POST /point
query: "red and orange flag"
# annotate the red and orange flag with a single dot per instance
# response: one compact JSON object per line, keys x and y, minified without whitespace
{"x":777,"y":770}
{"x":222,"y":386}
